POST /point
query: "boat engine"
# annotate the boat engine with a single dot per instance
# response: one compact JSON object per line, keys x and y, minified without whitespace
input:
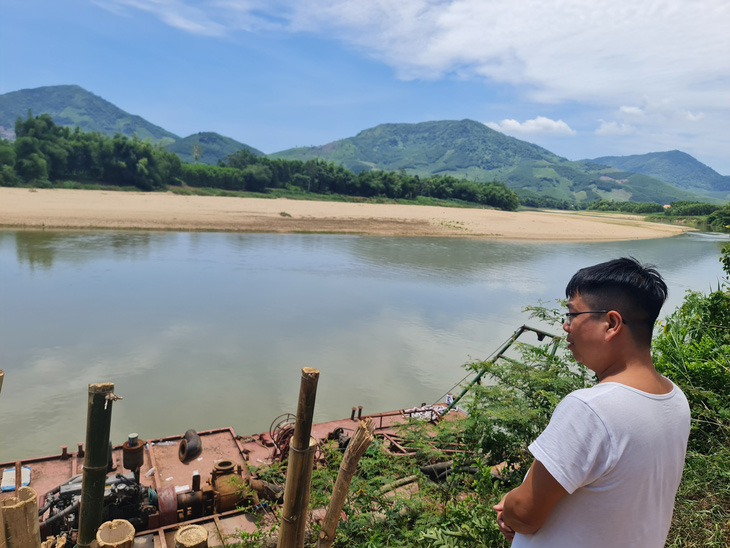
{"x":229,"y":487}
{"x":124,"y":498}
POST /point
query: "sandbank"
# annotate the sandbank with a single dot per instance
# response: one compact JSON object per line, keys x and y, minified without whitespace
{"x":23,"y":208}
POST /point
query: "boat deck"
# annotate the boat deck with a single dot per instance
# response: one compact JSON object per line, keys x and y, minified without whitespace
{"x":162,"y":467}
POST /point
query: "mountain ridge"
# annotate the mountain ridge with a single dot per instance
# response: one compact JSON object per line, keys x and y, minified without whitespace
{"x":72,"y":105}
{"x":673,"y":166}
{"x":461,"y":148}
{"x":470,"y":149}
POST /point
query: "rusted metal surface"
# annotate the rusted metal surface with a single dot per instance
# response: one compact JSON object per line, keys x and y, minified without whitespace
{"x":161,"y":468}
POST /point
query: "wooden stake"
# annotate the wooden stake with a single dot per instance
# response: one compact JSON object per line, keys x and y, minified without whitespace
{"x":299,"y":468}
{"x":359,"y":443}
{"x":20,"y":515}
{"x":18,"y":475}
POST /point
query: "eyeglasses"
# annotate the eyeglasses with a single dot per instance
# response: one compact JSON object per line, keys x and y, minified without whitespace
{"x":570,"y":315}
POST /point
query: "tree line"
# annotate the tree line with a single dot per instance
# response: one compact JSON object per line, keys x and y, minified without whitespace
{"x":45,"y":153}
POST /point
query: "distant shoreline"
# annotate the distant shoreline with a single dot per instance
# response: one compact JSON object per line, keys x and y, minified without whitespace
{"x":24,"y":208}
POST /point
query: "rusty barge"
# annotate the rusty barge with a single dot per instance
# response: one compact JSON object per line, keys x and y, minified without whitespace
{"x":199,"y":478}
{"x":192,"y":478}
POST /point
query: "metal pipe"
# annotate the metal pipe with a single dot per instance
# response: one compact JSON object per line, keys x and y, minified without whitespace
{"x":190,"y":446}
{"x":98,"y":425}
{"x":540,"y":336}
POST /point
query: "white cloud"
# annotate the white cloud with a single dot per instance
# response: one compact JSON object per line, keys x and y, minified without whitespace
{"x":631,"y":111}
{"x":539,"y":125}
{"x":614,"y":128}
{"x":692,"y":117}
{"x":665,"y":61}
{"x":602,"y":53}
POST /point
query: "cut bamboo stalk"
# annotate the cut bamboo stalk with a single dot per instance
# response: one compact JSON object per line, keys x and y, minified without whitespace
{"x":118,"y":533}
{"x":54,"y":542}
{"x":359,"y":443}
{"x":20,"y":515}
{"x":299,"y":468}
{"x":191,"y":536}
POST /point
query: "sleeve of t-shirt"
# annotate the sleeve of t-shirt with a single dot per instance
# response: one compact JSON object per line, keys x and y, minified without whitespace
{"x":576,"y":446}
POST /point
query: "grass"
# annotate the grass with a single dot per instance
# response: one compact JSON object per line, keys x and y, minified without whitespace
{"x":702,"y":508}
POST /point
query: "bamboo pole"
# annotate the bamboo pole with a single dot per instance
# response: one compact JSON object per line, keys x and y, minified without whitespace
{"x":20,"y":514}
{"x":359,"y":443}
{"x":299,"y":469}
{"x":308,"y":466}
{"x":398,"y":483}
{"x":2,"y":527}
{"x":98,"y":425}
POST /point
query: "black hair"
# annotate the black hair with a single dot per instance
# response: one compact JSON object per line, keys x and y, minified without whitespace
{"x":636,"y":291}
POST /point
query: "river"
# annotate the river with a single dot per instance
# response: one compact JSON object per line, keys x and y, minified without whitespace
{"x":202,"y":330}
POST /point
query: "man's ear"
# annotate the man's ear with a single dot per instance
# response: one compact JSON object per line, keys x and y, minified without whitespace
{"x":615,"y":324}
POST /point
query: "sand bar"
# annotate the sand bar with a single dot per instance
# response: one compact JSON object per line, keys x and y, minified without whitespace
{"x":22,"y":208}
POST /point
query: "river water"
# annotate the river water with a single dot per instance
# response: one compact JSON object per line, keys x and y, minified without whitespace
{"x":203,"y":330}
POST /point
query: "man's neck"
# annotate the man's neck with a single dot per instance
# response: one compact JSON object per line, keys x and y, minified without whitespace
{"x":639,"y":374}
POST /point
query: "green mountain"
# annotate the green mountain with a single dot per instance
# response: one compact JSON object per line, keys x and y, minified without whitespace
{"x":461,"y":148}
{"x":74,"y":106}
{"x":212,"y":147}
{"x":676,"y":168}
{"x":472,"y":150}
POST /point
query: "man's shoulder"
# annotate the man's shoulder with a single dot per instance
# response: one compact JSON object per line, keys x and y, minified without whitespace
{"x":586,"y":395}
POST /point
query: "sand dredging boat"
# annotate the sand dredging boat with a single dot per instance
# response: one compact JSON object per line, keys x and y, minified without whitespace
{"x":205,"y":478}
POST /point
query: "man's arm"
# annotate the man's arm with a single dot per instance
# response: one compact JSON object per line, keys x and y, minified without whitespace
{"x":526,"y":508}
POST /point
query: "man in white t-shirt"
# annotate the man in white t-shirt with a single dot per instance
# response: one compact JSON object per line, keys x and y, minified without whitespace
{"x":608,"y":465}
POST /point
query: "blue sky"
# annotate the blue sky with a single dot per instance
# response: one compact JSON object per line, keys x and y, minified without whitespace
{"x":580,"y":77}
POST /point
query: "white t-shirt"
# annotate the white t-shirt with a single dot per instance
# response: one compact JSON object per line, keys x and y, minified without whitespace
{"x":619,"y":453}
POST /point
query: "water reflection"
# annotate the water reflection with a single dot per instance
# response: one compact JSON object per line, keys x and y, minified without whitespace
{"x":203,"y":330}
{"x":40,"y":249}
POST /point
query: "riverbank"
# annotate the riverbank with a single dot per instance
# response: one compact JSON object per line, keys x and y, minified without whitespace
{"x":98,"y":209}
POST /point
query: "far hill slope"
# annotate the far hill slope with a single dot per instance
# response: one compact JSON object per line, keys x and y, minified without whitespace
{"x":472,"y":150}
{"x":675,"y":167}
{"x":462,"y":148}
{"x":212,"y":147}
{"x":74,"y":106}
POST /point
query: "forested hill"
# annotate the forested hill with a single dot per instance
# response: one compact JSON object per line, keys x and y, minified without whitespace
{"x":208,"y":148}
{"x":74,"y":106}
{"x":675,"y":167}
{"x":463,"y":148}
{"x":471,"y":150}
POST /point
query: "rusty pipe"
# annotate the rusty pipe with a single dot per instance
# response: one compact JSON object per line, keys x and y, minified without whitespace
{"x":190,"y":446}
